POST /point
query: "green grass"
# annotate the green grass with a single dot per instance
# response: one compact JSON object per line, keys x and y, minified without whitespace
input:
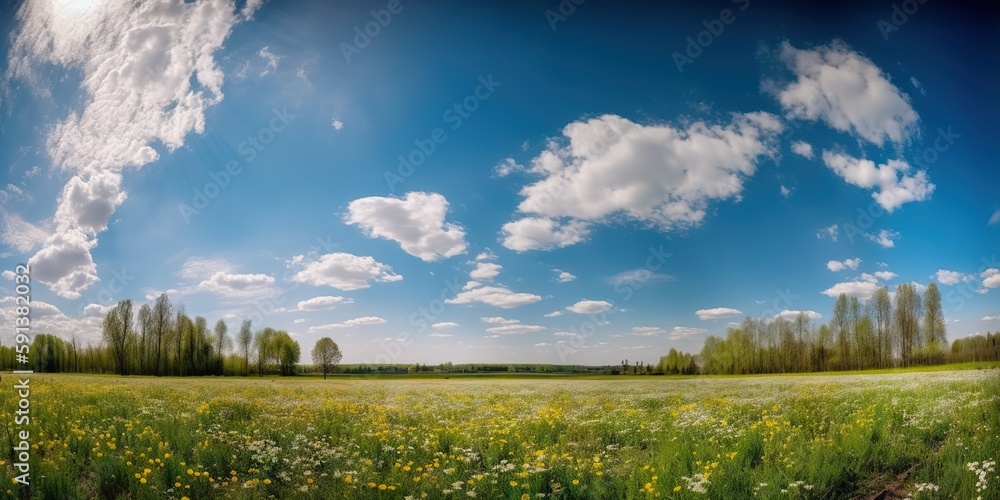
{"x":510,"y":435}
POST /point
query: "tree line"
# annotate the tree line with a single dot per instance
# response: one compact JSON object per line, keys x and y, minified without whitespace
{"x":886,"y":330}
{"x":161,"y":339}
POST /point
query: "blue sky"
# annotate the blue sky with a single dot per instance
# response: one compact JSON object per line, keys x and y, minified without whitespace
{"x":792,"y":156}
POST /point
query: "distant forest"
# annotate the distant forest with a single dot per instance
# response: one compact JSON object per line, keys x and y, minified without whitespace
{"x":895,"y":329}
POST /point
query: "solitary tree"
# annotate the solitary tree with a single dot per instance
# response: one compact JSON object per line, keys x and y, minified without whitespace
{"x":326,"y":354}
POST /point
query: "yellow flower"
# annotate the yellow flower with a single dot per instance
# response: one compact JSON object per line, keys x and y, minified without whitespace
{"x":142,"y":480}
{"x":576,"y":481}
{"x":177,"y":485}
{"x":677,"y":488}
{"x":268,"y":481}
{"x":513,"y":483}
{"x":381,"y":486}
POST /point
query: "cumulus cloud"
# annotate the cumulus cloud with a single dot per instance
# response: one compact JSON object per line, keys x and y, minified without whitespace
{"x":991,"y":278}
{"x":96,"y":310}
{"x":859,"y":289}
{"x":322,"y":303}
{"x":946,"y":277}
{"x":497,"y":296}
{"x":506,"y":167}
{"x":885,"y":237}
{"x":563,"y":276}
{"x":148,"y":74}
{"x":837,"y":266}
{"x":717,"y":313}
{"x":416,"y":222}
{"x":991,"y":318}
{"x":848,"y":92}
{"x":831,"y":233}
{"x":341,"y":270}
{"x":885,"y":275}
{"x":485,"y":271}
{"x":791,"y":315}
{"x":445,"y":324}
{"x":589,"y":306}
{"x":238,"y":284}
{"x":610,"y":168}
{"x":682,"y":332}
{"x":803,"y":149}
{"x":363,"y":321}
{"x":542,"y":233}
{"x":895,"y":184}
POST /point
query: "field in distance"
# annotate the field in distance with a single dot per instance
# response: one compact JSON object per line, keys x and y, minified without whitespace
{"x":925,"y":434}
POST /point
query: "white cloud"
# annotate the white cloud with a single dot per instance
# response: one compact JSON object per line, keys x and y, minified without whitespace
{"x":485,"y":271}
{"x":486,"y":255}
{"x":542,"y":344}
{"x":96,"y":310}
{"x":147,"y":74}
{"x":445,"y":324}
{"x":517,"y":329}
{"x":717,"y":313}
{"x":895,"y":186}
{"x":995,"y":218}
{"x":9,"y":275}
{"x":337,"y":124}
{"x":294,"y":321}
{"x":885,"y":237}
{"x":610,"y":168}
{"x":542,"y":233}
{"x":885,"y":275}
{"x":416,"y":222}
{"x":848,"y":92}
{"x":991,"y":278}
{"x":647,"y":331}
{"x":791,"y":315}
{"x":946,"y":277}
{"x":589,"y":306}
{"x":340,"y":270}
{"x":20,"y":235}
{"x":785,"y":191}
{"x":803,"y":149}
{"x":200,"y":268}
{"x":440,"y":335}
{"x":836,"y":266}
{"x":859,"y":289}
{"x":498,"y":320}
{"x":831,"y":233}
{"x":563,"y":276}
{"x":506,"y":167}
{"x":271,"y":58}
{"x":322,"y":303}
{"x":681,"y":332}
{"x":553,"y":314}
{"x":363,"y":321}
{"x":236,"y":284}
{"x":497,"y":296}
{"x":644,"y":276}
{"x":48,"y":318}
{"x":991,"y":318}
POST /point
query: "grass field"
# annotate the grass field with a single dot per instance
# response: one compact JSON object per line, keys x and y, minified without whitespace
{"x":926,"y":434}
